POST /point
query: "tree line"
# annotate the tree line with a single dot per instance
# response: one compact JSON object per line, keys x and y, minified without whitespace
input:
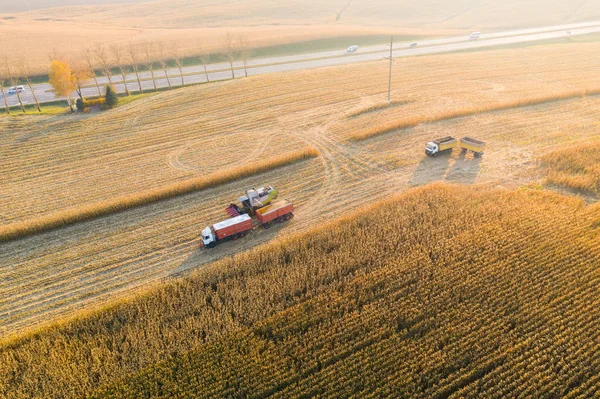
{"x":70,"y":74}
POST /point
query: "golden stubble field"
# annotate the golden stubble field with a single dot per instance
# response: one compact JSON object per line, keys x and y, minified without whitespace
{"x":53,"y":162}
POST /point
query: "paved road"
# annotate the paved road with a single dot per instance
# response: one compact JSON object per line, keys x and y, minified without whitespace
{"x":220,"y":71}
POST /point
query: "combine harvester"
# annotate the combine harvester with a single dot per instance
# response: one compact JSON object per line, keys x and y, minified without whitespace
{"x":448,"y":143}
{"x":253,"y":200}
{"x":258,"y":203}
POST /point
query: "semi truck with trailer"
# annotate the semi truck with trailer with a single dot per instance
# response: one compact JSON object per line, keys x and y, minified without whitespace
{"x":447,"y":144}
{"x":240,"y":225}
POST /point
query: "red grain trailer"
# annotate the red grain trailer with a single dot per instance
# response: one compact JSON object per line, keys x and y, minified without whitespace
{"x":281,"y":211}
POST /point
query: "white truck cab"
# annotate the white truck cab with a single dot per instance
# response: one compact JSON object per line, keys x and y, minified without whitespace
{"x":208,"y":237}
{"x":431,"y":148}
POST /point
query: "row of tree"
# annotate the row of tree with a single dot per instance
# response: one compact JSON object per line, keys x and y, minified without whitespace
{"x":13,"y":73}
{"x":69,"y":74}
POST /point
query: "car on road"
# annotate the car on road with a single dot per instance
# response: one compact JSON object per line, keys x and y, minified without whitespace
{"x":475,"y":35}
{"x":413,"y":45}
{"x":568,"y":32}
{"x":16,"y":89}
{"x":352,"y":49}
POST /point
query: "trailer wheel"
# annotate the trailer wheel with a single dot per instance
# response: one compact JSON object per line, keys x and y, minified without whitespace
{"x":478,"y":154}
{"x":281,"y":219}
{"x":289,"y":216}
{"x":242,"y":234}
{"x":234,"y":237}
{"x":267,"y":225}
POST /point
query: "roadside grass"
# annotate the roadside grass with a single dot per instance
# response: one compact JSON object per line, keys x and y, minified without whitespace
{"x":416,"y":120}
{"x":124,"y":100}
{"x":58,"y":107}
{"x":87,"y":212}
{"x":46,"y":109}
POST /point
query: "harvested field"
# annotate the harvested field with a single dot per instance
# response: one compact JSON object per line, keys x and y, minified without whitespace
{"x":118,"y":204}
{"x":54,"y":162}
{"x":443,"y":291}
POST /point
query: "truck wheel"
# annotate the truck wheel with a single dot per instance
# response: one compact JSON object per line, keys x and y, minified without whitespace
{"x":242,"y":234}
{"x":289,"y":216}
{"x":211,"y":245}
{"x":281,"y":219}
{"x":267,"y":225}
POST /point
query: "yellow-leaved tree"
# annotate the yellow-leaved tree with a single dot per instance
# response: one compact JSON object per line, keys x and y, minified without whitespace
{"x":62,"y":80}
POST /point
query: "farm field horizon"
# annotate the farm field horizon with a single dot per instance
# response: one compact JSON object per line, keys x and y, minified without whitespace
{"x":37,"y":29}
{"x":479,"y":266}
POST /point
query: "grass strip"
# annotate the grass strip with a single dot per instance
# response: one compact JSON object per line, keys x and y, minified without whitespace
{"x":71,"y":216}
{"x":416,"y":120}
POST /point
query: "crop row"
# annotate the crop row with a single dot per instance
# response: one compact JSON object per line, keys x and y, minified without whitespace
{"x":356,"y":339}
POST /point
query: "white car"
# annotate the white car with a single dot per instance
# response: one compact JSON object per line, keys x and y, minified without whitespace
{"x":16,"y":89}
{"x":352,"y":49}
{"x":413,"y":45}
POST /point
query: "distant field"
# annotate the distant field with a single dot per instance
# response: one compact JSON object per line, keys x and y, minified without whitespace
{"x":428,"y":14}
{"x":29,"y":5}
{"x":441,"y":292}
{"x":51,"y":163}
{"x":195,"y":25}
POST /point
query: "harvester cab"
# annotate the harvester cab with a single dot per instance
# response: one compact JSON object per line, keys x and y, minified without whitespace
{"x":255,"y":199}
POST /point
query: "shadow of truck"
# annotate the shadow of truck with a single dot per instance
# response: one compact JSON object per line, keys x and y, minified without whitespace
{"x":429,"y":170}
{"x":464,"y":170}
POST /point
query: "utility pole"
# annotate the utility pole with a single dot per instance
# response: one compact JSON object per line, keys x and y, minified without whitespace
{"x":390,"y":79}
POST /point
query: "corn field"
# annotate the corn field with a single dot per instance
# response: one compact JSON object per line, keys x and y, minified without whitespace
{"x":575,"y":167}
{"x":441,"y":292}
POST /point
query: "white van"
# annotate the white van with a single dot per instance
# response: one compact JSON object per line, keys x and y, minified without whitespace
{"x":16,"y":89}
